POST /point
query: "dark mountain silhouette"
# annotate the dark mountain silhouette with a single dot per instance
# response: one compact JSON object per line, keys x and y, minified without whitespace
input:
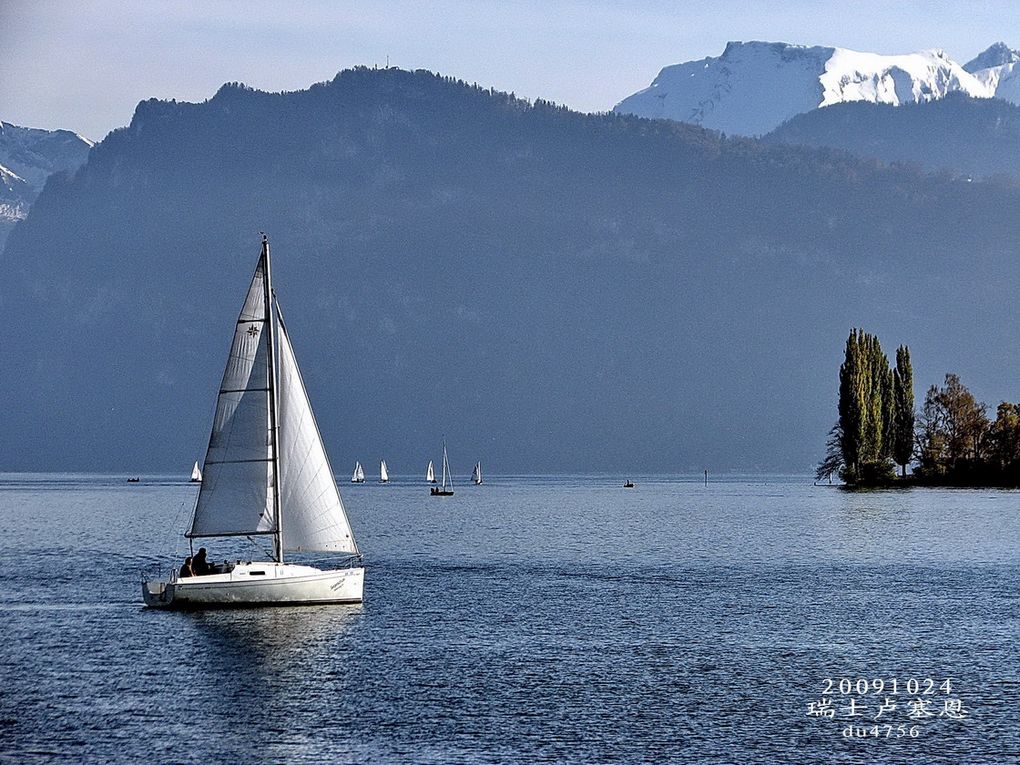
{"x":979,"y":137}
{"x":550,"y":290}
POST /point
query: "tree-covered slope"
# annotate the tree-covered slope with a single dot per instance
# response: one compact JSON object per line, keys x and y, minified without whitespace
{"x":979,"y":137}
{"x":550,"y":290}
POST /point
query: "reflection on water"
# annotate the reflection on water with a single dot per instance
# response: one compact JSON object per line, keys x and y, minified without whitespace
{"x":272,"y":641}
{"x":527,"y":620}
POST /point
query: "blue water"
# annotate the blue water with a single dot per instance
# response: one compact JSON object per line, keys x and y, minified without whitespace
{"x":527,"y":620}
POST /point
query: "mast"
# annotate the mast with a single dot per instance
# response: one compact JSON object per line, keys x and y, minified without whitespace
{"x":274,"y":416}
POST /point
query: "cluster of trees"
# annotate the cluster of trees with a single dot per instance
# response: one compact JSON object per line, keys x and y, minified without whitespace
{"x":957,"y":442}
{"x":951,"y":440}
{"x":876,"y":413}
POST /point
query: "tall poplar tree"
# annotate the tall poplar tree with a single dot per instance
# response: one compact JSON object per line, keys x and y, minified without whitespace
{"x":865,"y":409}
{"x":851,"y":405}
{"x":878,"y":392}
{"x":903,"y":409}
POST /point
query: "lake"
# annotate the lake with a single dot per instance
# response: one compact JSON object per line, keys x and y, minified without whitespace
{"x":530,"y":619}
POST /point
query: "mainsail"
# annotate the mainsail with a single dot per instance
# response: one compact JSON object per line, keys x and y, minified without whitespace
{"x":196,"y":473}
{"x":447,"y":474}
{"x":359,"y":473}
{"x":384,"y":474}
{"x":430,"y":474}
{"x":313,"y":513}
{"x":476,"y":475}
{"x":242,"y":471}
{"x":237,"y":489}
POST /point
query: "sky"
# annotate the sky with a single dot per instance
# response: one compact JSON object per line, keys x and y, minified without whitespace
{"x":83,"y":65}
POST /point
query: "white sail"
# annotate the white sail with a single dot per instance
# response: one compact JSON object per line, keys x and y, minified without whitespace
{"x":447,"y":475}
{"x":476,"y":475}
{"x":430,"y":474}
{"x":196,"y":473}
{"x":313,"y":512}
{"x":384,"y":474}
{"x":359,"y":473}
{"x":237,"y":489}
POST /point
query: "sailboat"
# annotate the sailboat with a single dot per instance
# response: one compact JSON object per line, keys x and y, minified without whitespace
{"x":196,"y":474}
{"x":384,"y":474}
{"x":359,"y":473}
{"x":430,"y":474}
{"x":266,"y":475}
{"x":476,"y":474}
{"x":445,"y":489}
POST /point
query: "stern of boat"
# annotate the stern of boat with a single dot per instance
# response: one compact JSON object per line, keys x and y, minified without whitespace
{"x":157,"y":593}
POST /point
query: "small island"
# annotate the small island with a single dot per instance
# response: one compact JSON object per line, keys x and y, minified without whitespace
{"x":950,"y":442}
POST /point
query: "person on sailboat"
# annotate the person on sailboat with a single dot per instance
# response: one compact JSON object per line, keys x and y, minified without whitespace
{"x":199,"y":565}
{"x":186,"y":569}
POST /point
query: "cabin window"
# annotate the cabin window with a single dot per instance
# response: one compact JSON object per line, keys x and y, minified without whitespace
{"x":257,"y":573}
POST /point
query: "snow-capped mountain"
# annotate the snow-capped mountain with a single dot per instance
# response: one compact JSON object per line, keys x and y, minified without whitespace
{"x":755,"y":86}
{"x":28,"y":156}
{"x":997,"y":69}
{"x":996,"y":55}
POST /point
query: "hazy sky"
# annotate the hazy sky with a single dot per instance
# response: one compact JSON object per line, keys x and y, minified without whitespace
{"x":85,"y":64}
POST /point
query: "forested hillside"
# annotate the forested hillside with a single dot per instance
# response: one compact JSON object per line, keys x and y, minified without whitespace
{"x":550,"y":290}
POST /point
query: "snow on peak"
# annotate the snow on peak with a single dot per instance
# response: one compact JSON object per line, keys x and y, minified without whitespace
{"x":755,"y":86}
{"x":998,"y":68}
{"x":910,"y":78}
{"x":34,"y":154}
{"x":28,"y":156}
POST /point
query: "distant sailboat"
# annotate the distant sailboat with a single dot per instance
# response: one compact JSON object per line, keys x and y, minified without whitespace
{"x":359,"y":473}
{"x":430,"y":474}
{"x":196,"y":474}
{"x":476,"y":474}
{"x":445,"y":489}
{"x":266,"y":474}
{"x":384,"y":474}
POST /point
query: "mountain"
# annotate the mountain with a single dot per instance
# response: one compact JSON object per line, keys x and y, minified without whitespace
{"x":978,"y":137}
{"x":15,"y":198}
{"x":996,"y":68}
{"x":753,"y":87}
{"x":553,"y":291}
{"x":992,"y":57}
{"x":28,"y":156}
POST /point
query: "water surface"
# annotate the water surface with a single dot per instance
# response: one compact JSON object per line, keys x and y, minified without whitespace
{"x":531,"y":619}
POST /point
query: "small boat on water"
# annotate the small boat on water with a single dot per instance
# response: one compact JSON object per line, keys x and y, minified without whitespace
{"x":430,"y":474}
{"x":359,"y":473}
{"x":476,"y":474}
{"x":266,"y":476}
{"x":384,"y":474}
{"x":629,"y":485}
{"x":196,"y":474}
{"x":445,"y":489}
{"x":134,"y":480}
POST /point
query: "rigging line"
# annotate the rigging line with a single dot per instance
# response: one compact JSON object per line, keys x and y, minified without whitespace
{"x":166,"y":552}
{"x":256,"y":545}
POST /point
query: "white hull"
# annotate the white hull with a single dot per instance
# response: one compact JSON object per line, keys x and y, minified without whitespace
{"x":258,"y":584}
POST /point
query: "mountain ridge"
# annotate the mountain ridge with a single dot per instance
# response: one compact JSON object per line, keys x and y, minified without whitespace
{"x":975,"y":137}
{"x":28,"y":156}
{"x":554,"y":291}
{"x":753,"y":87}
